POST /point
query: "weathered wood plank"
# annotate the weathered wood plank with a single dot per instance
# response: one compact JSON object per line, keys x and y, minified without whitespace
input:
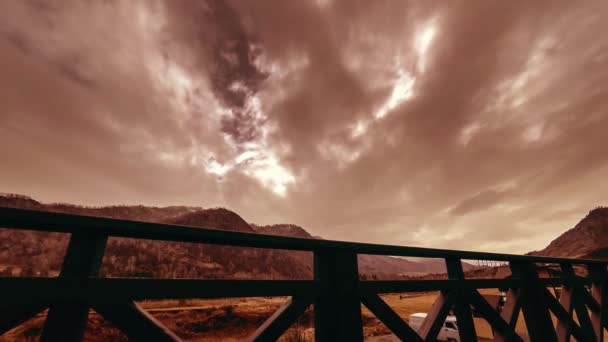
{"x":500,"y":326}
{"x":588,"y":299}
{"x":436,"y":317}
{"x":599,"y":292}
{"x":336,"y":282}
{"x":380,"y":309}
{"x":562,"y":310}
{"x":510,"y":312}
{"x":338,"y":307}
{"x":462,"y":308}
{"x":579,"y":293}
{"x":533,"y":304}
{"x":13,"y":315}
{"x":67,"y":321}
{"x":281,"y":320}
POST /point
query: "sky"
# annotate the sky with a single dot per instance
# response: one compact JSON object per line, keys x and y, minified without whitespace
{"x":471,"y":124}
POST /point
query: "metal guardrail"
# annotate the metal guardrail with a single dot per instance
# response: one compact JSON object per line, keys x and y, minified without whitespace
{"x":336,"y":290}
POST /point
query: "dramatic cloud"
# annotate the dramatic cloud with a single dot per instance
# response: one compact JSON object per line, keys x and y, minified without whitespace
{"x":462,"y":124}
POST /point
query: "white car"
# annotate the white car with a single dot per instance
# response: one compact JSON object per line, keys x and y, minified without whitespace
{"x":448,"y":332}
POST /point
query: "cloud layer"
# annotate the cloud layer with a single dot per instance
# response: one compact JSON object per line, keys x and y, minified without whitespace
{"x":462,"y":124}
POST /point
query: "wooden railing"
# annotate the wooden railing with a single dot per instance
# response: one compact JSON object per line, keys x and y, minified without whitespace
{"x":336,"y":292}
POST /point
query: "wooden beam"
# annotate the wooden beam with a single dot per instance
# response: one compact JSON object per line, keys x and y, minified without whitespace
{"x":562,"y":310}
{"x":390,"y":318}
{"x":281,"y":320}
{"x":599,"y":292}
{"x":134,"y":322}
{"x":462,"y":308}
{"x":13,"y":315}
{"x":336,"y":285}
{"x":436,"y":317}
{"x":502,"y":327}
{"x":579,"y":293}
{"x":533,"y":303}
{"x":563,"y":329}
{"x":588,"y":299}
{"x":58,"y":222}
{"x":510,"y":312}
{"x":338,"y":307}
{"x":67,"y":321}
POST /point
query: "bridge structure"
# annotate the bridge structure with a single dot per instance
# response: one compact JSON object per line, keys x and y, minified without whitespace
{"x":336,"y":291}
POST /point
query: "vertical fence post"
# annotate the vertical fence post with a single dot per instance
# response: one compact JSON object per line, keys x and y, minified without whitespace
{"x":578,"y":302}
{"x":566,"y":301}
{"x":338,"y":308}
{"x":462,"y":308}
{"x":534,"y":306}
{"x":599,"y":292}
{"x":66,"y":322}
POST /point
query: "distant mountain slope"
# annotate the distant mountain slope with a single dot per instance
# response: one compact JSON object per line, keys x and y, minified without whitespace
{"x":599,"y":253}
{"x":39,"y":253}
{"x":380,"y":266}
{"x":589,"y":238}
{"x":217,"y":218}
{"x":128,"y":212}
{"x":131,"y":257}
{"x":283,"y":230}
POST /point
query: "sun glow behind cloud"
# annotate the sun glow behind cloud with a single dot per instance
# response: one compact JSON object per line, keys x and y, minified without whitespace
{"x":422,"y":42}
{"x":188,"y":93}
{"x":258,"y":160}
{"x":405,"y":80}
{"x":255,"y":159}
{"x":402,"y":90}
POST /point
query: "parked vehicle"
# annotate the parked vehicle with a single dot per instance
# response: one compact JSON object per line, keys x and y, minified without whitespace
{"x":448,"y":331}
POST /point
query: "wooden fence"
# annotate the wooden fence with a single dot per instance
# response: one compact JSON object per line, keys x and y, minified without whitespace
{"x":336,"y":291}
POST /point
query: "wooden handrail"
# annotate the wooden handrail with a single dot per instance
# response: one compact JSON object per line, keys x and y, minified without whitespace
{"x":68,"y":223}
{"x":335,"y":291}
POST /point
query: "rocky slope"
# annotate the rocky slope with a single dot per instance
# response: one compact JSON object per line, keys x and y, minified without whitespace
{"x":588,"y":239}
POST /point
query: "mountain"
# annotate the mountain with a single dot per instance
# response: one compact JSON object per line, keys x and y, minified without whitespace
{"x":283,"y":230}
{"x":599,"y":253}
{"x":128,"y":212}
{"x":588,"y":238}
{"x":380,"y":266}
{"x":217,"y":218}
{"x":40,"y":253}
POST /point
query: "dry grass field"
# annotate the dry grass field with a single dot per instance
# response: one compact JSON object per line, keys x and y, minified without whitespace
{"x":234,"y":319}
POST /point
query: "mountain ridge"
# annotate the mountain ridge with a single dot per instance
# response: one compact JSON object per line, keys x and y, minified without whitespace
{"x":132,"y":257}
{"x":587,"y":239}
